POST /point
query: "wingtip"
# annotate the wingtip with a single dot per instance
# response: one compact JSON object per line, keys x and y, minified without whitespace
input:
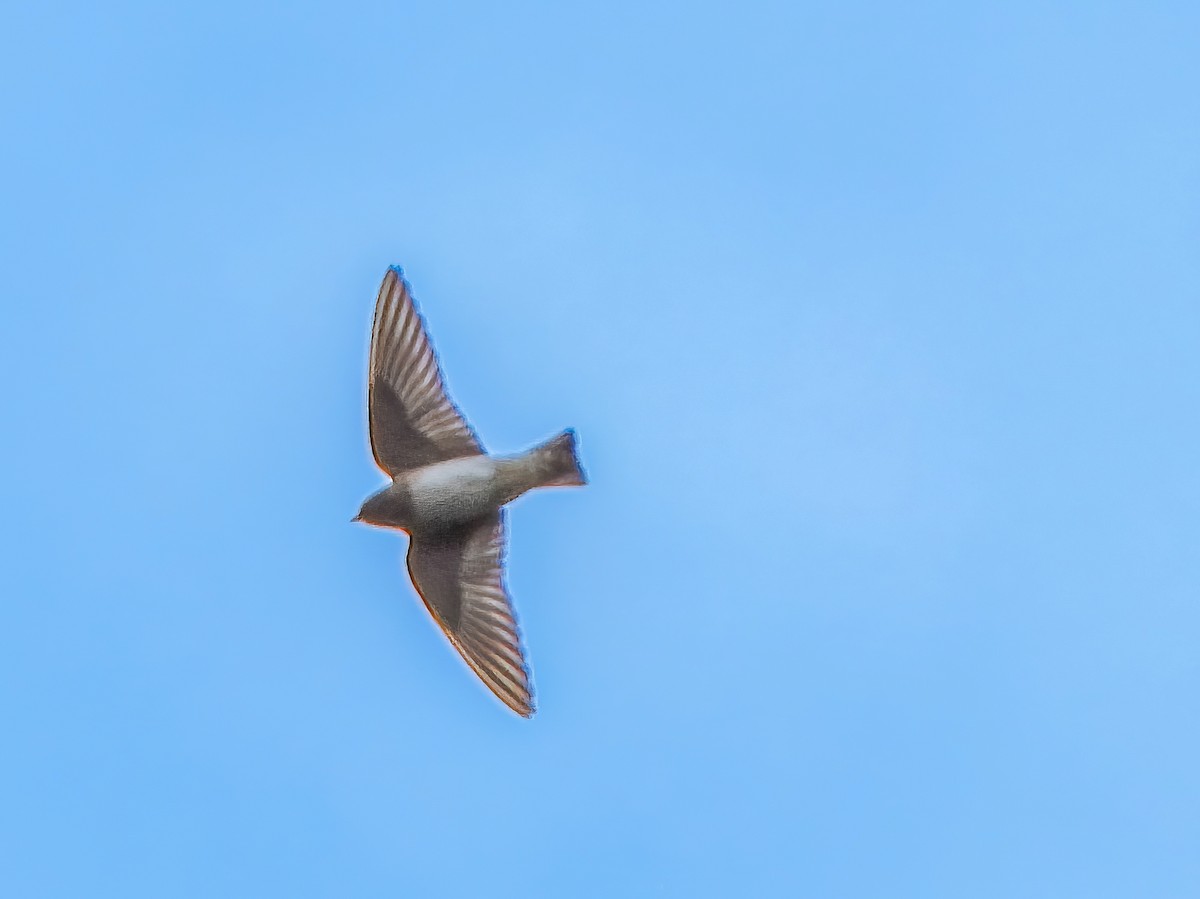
{"x":397,"y":269}
{"x":526,"y":711}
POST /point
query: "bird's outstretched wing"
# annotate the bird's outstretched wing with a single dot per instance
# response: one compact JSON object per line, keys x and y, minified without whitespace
{"x":460,"y":577}
{"x":413,"y":421}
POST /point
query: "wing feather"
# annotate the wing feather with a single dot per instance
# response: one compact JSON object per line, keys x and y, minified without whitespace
{"x":460,"y":576}
{"x":413,"y":420}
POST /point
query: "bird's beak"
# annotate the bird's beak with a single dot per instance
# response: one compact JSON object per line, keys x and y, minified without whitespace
{"x":356,"y":518}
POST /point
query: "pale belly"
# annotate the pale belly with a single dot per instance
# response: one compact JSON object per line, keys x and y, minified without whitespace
{"x":453,"y":492}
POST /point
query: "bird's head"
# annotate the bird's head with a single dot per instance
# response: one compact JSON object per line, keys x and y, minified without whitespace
{"x":383,"y":510}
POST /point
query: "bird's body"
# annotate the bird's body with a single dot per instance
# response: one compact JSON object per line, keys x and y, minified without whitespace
{"x":452,"y":493}
{"x":448,"y":494}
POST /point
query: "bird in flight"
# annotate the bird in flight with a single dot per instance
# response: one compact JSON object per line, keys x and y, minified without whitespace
{"x":448,"y":494}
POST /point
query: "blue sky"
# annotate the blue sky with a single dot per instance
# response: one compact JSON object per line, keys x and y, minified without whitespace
{"x":878,"y":324}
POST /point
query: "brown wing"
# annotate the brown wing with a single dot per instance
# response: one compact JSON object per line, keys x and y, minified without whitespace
{"x":460,"y":576}
{"x":413,"y":421}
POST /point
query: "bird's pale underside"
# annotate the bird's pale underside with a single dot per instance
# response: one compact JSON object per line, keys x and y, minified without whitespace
{"x":448,"y":494}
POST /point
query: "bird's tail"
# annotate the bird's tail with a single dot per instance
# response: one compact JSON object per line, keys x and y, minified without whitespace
{"x":557,"y":463}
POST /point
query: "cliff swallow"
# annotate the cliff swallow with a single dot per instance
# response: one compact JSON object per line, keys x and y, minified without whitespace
{"x":448,"y":494}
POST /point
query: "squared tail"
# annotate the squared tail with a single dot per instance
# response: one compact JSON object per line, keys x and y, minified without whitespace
{"x":558,"y":462}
